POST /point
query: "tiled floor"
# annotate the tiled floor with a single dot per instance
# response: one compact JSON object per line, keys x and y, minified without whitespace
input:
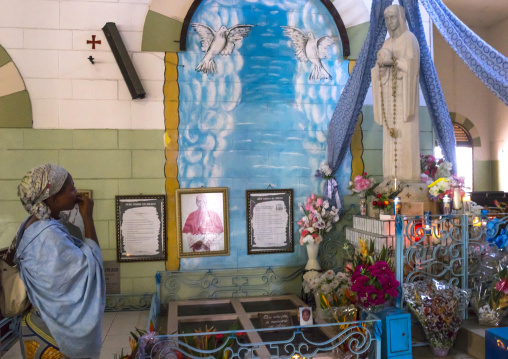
{"x":116,"y":328}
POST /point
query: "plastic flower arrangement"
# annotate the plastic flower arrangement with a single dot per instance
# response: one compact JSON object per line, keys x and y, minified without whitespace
{"x":444,"y":186}
{"x":332,"y":288}
{"x":318,"y":219}
{"x":362,"y":185}
{"x":496,"y":233}
{"x":324,"y":171}
{"x":433,"y":169}
{"x":499,"y":294}
{"x":382,"y":202}
{"x":141,"y":343}
{"x":365,"y":255}
{"x":437,"y":306}
{"x":375,"y":285}
{"x":490,"y":298}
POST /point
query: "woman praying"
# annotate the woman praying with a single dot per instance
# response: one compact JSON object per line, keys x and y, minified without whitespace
{"x":63,"y":275}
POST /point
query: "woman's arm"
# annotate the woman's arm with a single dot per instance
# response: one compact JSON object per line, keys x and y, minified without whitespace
{"x":86,"y":210}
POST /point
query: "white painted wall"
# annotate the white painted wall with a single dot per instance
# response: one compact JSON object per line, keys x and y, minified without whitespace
{"x":464,"y":92}
{"x":497,"y":37}
{"x":47,"y":40}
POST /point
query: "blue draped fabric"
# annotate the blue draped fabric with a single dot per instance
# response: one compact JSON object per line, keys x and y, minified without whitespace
{"x":343,"y":122}
{"x":64,"y":280}
{"x":487,"y":63}
{"x":431,"y":87}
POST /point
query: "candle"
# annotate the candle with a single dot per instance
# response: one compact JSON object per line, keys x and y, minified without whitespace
{"x":426,"y":221}
{"x":457,"y":203}
{"x":485,"y":219}
{"x":397,"y":206}
{"x":466,"y":202}
{"x":447,"y":208}
{"x":395,"y":188}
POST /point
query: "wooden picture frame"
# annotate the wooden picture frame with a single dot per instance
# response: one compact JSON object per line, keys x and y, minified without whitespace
{"x":141,"y":228}
{"x":202,"y":221}
{"x":270,"y":221}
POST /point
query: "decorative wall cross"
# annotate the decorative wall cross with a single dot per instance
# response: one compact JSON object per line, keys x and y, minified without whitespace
{"x":93,"y":42}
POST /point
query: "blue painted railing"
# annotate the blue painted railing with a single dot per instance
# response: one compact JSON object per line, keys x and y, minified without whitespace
{"x":449,"y":248}
{"x":360,"y":338}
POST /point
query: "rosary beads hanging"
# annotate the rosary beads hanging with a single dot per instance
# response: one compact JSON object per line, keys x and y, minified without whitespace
{"x":392,"y":131}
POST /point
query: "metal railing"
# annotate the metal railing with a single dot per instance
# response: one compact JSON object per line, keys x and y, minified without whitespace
{"x":358,"y":339}
{"x":449,"y":248}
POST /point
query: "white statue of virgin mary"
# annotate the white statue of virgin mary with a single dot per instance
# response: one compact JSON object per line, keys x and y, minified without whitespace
{"x":396,"y":98}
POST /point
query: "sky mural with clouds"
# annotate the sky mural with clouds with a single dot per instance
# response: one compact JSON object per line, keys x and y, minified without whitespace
{"x":259,"y":121}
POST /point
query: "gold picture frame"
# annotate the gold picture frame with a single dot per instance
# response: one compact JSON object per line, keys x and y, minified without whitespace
{"x":202,"y":221}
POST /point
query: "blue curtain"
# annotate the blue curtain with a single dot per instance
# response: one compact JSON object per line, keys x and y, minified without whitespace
{"x":343,"y":122}
{"x":431,"y":87}
{"x":487,"y":63}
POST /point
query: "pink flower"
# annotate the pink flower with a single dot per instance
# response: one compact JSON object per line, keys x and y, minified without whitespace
{"x":313,"y":196}
{"x":502,"y":286}
{"x":308,"y":207}
{"x":319,"y":201}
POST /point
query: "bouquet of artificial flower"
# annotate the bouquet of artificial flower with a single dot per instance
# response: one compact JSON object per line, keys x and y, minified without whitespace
{"x":496,"y":233}
{"x":362,"y":185}
{"x":382,"y":202}
{"x":444,"y":187}
{"x":324,"y":171}
{"x":437,"y":306}
{"x":365,"y":255}
{"x":433,"y":169}
{"x":374,"y":285}
{"x":332,"y":288}
{"x":317,"y":220}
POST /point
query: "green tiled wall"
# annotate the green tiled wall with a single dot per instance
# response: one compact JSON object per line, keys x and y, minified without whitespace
{"x":109,"y":162}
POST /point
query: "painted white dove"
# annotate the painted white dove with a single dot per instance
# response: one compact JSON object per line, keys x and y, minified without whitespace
{"x":308,"y":48}
{"x":220,"y":42}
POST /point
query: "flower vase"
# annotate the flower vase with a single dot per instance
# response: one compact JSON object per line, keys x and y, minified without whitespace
{"x":319,"y":310}
{"x":363,"y":206}
{"x":490,"y":317}
{"x":378,"y":308}
{"x":312,"y":253}
{"x":439,"y":352}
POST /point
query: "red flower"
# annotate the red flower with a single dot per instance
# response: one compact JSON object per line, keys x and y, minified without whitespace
{"x":379,"y":195}
{"x":374,"y":203}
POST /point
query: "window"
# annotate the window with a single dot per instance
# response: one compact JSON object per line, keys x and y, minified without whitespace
{"x":464,"y":150}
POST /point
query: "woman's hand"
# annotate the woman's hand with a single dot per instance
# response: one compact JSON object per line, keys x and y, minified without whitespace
{"x":85,"y":205}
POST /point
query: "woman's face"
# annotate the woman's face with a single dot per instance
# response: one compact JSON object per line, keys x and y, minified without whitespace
{"x":66,"y":199}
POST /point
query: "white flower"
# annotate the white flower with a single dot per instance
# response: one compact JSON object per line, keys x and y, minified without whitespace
{"x":329,"y":274}
{"x":320,"y":224}
{"x":325,"y":288}
{"x":326,"y":204}
{"x":310,"y":275}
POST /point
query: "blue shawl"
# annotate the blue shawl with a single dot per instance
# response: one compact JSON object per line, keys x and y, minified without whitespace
{"x":64,"y":279}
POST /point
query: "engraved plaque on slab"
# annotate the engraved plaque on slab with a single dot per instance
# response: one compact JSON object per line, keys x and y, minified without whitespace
{"x":275,"y":320}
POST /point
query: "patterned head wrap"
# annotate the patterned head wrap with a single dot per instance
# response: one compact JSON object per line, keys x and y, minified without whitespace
{"x":38,"y":184}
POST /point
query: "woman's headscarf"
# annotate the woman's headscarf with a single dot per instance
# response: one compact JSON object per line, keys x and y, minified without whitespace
{"x":38,"y":184}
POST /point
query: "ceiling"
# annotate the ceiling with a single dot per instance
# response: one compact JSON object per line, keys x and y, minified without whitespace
{"x":479,"y":13}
